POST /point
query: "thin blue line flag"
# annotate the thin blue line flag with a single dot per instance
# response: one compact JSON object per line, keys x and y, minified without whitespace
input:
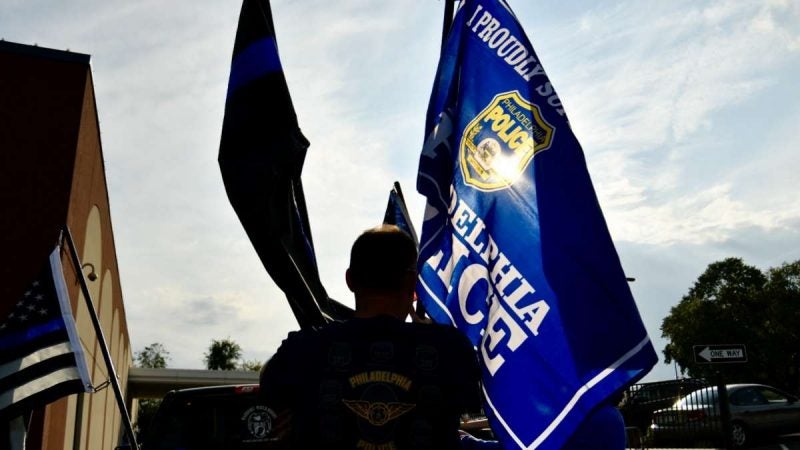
{"x":41,"y":359}
{"x":515,"y":251}
{"x":261,"y":157}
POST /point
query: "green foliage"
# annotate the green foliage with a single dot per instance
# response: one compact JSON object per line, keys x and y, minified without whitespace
{"x":154,"y":356}
{"x":223,"y":354}
{"x":734,"y":303}
{"x":253,"y":365}
{"x":147,"y":410}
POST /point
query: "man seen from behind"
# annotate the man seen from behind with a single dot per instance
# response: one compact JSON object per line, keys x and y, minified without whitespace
{"x":375,"y":381}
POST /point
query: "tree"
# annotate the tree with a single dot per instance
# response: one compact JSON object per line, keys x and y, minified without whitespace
{"x":734,"y":303}
{"x":253,"y":365}
{"x":223,"y":354}
{"x":154,"y":356}
{"x":783,"y":331}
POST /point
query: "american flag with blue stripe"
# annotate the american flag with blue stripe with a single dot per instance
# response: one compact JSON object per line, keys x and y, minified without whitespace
{"x":41,"y":359}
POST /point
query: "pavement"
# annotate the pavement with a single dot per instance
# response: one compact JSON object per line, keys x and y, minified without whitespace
{"x":786,"y":442}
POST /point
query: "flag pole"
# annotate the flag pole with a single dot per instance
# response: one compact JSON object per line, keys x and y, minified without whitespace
{"x":126,"y":420}
{"x":419,"y":307}
{"x":447,"y":23}
{"x":306,"y":316}
{"x":448,"y":19}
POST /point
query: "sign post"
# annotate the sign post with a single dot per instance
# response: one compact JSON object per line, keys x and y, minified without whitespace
{"x":714,"y":354}
{"x":722,"y":354}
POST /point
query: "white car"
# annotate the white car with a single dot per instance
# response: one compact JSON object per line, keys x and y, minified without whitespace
{"x":756,"y":410}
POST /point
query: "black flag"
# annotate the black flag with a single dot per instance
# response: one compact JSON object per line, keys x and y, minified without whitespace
{"x":397,"y":212}
{"x":261,"y":158}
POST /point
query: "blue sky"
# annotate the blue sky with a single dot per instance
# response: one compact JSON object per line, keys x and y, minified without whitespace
{"x":687,"y":112}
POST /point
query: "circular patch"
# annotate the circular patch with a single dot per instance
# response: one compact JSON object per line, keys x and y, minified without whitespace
{"x":257,"y":421}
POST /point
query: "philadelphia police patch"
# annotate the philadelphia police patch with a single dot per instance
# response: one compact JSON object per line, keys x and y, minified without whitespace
{"x":500,"y":142}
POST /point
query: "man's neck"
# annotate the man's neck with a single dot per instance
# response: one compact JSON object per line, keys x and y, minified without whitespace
{"x":375,"y":305}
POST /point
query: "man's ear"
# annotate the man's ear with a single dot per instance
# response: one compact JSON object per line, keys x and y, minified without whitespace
{"x":349,"y":280}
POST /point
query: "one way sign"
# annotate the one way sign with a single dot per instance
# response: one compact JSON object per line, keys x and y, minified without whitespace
{"x":711,"y":354}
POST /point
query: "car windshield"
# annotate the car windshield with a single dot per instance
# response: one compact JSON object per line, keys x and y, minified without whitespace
{"x":705,"y":396}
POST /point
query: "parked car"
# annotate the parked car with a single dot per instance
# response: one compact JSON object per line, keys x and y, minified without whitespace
{"x":641,"y":400}
{"x":756,"y":410}
{"x":215,"y":417}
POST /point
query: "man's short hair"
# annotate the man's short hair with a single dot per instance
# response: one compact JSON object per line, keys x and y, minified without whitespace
{"x":382,"y":257}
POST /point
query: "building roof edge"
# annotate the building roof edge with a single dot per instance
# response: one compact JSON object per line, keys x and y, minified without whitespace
{"x":43,"y":52}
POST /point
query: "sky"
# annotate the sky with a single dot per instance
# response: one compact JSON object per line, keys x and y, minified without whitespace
{"x":687,"y":112}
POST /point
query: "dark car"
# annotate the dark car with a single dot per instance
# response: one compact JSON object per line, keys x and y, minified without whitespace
{"x":756,"y":410}
{"x":230,"y":418}
{"x":216,"y":417}
{"x":641,"y":400}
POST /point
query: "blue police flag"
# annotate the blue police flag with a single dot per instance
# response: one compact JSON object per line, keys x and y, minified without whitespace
{"x":514,"y":248}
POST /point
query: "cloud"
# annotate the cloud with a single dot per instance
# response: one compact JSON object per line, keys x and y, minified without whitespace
{"x":652,"y":79}
{"x":686,"y":112}
{"x":651,"y":93}
{"x":704,"y":217}
{"x":664,"y":273}
{"x":185,"y":320}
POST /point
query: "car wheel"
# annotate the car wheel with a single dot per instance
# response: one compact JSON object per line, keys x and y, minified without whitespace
{"x":739,"y":436}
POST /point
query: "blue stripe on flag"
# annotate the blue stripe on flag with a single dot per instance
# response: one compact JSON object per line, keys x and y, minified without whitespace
{"x":258,"y":59}
{"x":16,"y":339}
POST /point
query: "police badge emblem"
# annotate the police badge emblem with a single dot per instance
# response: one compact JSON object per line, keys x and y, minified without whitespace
{"x":257,"y":421}
{"x":499,"y":143}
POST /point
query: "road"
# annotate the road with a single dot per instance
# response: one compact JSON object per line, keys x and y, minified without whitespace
{"x":788,"y":442}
